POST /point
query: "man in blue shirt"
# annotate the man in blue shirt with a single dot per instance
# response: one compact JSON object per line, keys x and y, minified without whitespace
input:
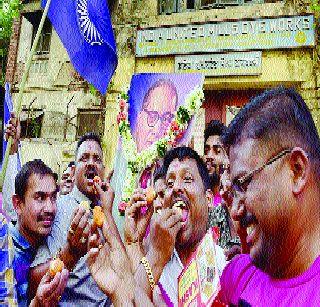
{"x":35,"y":203}
{"x":49,"y":290}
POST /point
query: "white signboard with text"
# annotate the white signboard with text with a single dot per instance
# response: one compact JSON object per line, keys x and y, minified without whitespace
{"x":228,"y":64}
{"x":238,"y":35}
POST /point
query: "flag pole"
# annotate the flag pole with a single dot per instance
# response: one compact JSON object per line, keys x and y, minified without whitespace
{"x":21,"y":89}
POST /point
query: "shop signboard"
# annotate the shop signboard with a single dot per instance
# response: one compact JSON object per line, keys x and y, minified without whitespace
{"x":233,"y":35}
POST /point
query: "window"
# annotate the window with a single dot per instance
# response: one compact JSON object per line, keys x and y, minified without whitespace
{"x":39,"y":67}
{"x":223,"y":3}
{"x":174,"y":6}
{"x":43,"y":47}
{"x":190,"y":4}
{"x":31,"y":123}
{"x":53,"y":125}
{"x":90,"y":121}
{"x":168,"y":6}
{"x":219,"y":3}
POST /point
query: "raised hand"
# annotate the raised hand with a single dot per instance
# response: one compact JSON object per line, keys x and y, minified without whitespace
{"x":105,"y":193}
{"x":13,"y":129}
{"x":79,"y":232}
{"x":136,"y":221}
{"x":163,"y":232}
{"x":50,"y":289}
{"x":110,"y":266}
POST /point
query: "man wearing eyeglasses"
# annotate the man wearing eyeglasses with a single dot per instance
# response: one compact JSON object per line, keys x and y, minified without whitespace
{"x":159,"y":105}
{"x":274,"y":152}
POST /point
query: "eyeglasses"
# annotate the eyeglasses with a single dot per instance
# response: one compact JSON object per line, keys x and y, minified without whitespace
{"x":240,"y":185}
{"x":217,"y":149}
{"x":153,"y":117}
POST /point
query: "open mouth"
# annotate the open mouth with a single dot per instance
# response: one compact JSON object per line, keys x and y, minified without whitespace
{"x":251,"y":224}
{"x":182,"y":208}
{"x":90,"y":176}
{"x":47,"y":221}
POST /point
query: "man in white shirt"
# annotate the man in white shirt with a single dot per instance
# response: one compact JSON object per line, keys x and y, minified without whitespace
{"x":81,"y":289}
{"x":176,"y":233}
{"x":13,"y":129}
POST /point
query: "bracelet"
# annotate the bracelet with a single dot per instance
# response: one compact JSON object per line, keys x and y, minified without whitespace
{"x":147,"y":267}
{"x":132,"y":242}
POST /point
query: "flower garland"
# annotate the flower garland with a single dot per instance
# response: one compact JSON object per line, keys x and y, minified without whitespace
{"x":137,"y":162}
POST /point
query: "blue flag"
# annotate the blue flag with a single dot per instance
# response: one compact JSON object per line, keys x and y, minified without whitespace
{"x":7,"y":109}
{"x":85,"y":29}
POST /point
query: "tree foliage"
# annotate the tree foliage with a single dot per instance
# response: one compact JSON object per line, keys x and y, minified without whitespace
{"x":9,"y":9}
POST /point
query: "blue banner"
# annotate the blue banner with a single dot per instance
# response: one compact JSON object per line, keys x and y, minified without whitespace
{"x":85,"y":29}
{"x":7,"y":109}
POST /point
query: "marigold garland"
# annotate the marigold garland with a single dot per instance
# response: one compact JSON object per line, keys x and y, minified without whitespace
{"x":137,"y":162}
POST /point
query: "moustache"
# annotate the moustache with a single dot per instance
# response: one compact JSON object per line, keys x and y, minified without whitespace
{"x":247,"y":220}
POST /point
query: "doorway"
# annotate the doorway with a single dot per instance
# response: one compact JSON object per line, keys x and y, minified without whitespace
{"x":225,"y":104}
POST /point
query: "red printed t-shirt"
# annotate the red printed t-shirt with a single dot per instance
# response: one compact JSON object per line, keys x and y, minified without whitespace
{"x":243,"y":284}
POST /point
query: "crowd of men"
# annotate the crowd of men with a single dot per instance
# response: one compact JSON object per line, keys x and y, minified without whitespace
{"x":257,"y":185}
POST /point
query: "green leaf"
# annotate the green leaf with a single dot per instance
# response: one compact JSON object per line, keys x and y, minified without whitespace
{"x":183,"y":115}
{"x":92,"y":90}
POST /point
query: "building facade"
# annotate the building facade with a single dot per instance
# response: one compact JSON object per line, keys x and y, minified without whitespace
{"x":242,"y":47}
{"x":58,"y":105}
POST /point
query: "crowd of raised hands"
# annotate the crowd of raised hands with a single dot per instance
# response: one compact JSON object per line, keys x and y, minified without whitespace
{"x":112,"y":262}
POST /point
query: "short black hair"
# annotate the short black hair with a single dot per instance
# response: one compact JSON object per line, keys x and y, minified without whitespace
{"x":158,"y":174}
{"x":36,"y":166}
{"x":89,"y":136}
{"x":71,"y":163}
{"x":280,"y":118}
{"x":182,"y":153}
{"x":215,"y":127}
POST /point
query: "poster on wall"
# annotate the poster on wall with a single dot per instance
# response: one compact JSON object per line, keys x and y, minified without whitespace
{"x":153,"y":100}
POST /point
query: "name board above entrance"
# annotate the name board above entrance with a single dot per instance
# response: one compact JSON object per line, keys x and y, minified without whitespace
{"x":229,"y":64}
{"x":255,"y":34}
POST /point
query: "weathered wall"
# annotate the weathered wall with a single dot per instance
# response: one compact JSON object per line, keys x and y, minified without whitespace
{"x":296,"y":67}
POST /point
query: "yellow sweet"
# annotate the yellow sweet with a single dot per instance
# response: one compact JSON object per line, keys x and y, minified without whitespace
{"x":150,"y":195}
{"x":56,"y":266}
{"x":98,"y":216}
